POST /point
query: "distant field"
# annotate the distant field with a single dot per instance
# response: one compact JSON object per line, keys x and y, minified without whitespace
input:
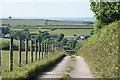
{"x":66,"y":32}
{"x":62,"y":23}
{"x":33,"y":30}
{"x":15,"y":22}
{"x":37,"y":30}
{"x":34,"y":22}
{"x":71,"y":32}
{"x":67,"y":26}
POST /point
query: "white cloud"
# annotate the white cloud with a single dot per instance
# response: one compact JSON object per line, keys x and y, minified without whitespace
{"x":43,"y":1}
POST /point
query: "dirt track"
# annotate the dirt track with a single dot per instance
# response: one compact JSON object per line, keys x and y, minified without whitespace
{"x":81,"y":69}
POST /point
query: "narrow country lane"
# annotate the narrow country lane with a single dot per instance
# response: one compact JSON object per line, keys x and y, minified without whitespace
{"x":81,"y":69}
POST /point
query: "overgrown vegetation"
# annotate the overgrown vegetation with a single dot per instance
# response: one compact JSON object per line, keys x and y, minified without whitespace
{"x":68,"y":70}
{"x":71,"y":68}
{"x":72,"y":58}
{"x":66,"y":76}
{"x":101,"y":52}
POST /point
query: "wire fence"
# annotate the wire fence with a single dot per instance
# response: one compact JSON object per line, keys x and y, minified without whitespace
{"x":34,"y":51}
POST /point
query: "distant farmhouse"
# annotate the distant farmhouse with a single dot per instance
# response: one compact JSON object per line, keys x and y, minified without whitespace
{"x":82,"y":37}
{"x":53,"y":35}
{"x":7,"y":35}
{"x":71,"y":37}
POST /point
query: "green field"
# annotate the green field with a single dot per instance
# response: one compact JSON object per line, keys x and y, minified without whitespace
{"x":34,"y":22}
{"x":66,"y":28}
{"x":71,"y":32}
{"x":15,"y":22}
{"x":36,"y":30}
{"x":66,"y":32}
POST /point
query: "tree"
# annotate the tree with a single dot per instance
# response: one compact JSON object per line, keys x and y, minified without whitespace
{"x":60,"y":37}
{"x":64,"y":41}
{"x":72,"y":43}
{"x":39,"y":31}
{"x":20,"y":34}
{"x":26,"y":29}
{"x":105,"y":12}
{"x":10,"y":17}
{"x":48,"y":41}
{"x":91,"y":33}
{"x":5,"y":30}
{"x":27,"y":35}
{"x":39,"y":38}
{"x":74,"y":35}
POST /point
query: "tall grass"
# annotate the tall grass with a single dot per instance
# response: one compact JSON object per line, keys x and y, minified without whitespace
{"x":101,"y":52}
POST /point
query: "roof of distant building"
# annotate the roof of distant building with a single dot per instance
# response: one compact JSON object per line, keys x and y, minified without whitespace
{"x":85,"y":35}
{"x":70,"y":36}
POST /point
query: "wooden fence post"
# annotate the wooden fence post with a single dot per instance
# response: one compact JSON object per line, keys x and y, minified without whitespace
{"x":52,"y":48}
{"x":39,"y":49}
{"x":46,"y":50}
{"x":35,"y":50}
{"x":31,"y":50}
{"x":58,"y":44}
{"x":11,"y":54}
{"x":20,"y":52}
{"x":42,"y":49}
{"x":55,"y":46}
{"x":26,"y":51}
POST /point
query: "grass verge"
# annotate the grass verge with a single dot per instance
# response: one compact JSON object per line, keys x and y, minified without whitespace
{"x":28,"y":72}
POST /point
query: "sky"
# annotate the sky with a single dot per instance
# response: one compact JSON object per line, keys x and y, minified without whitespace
{"x":45,"y":8}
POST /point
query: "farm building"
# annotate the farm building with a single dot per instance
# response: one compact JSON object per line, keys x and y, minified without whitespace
{"x":84,"y":37}
{"x":71,"y":37}
{"x":7,"y":35}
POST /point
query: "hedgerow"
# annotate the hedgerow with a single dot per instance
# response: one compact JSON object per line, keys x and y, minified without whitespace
{"x":101,"y":52}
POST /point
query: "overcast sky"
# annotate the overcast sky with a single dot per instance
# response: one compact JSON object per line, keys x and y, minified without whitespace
{"x":45,"y":8}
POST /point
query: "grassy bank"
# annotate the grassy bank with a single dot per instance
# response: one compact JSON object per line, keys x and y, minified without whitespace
{"x":101,"y":52}
{"x":30,"y":70}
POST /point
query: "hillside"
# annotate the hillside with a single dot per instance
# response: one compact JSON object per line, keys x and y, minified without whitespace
{"x":35,"y":22}
{"x":101,"y":52}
